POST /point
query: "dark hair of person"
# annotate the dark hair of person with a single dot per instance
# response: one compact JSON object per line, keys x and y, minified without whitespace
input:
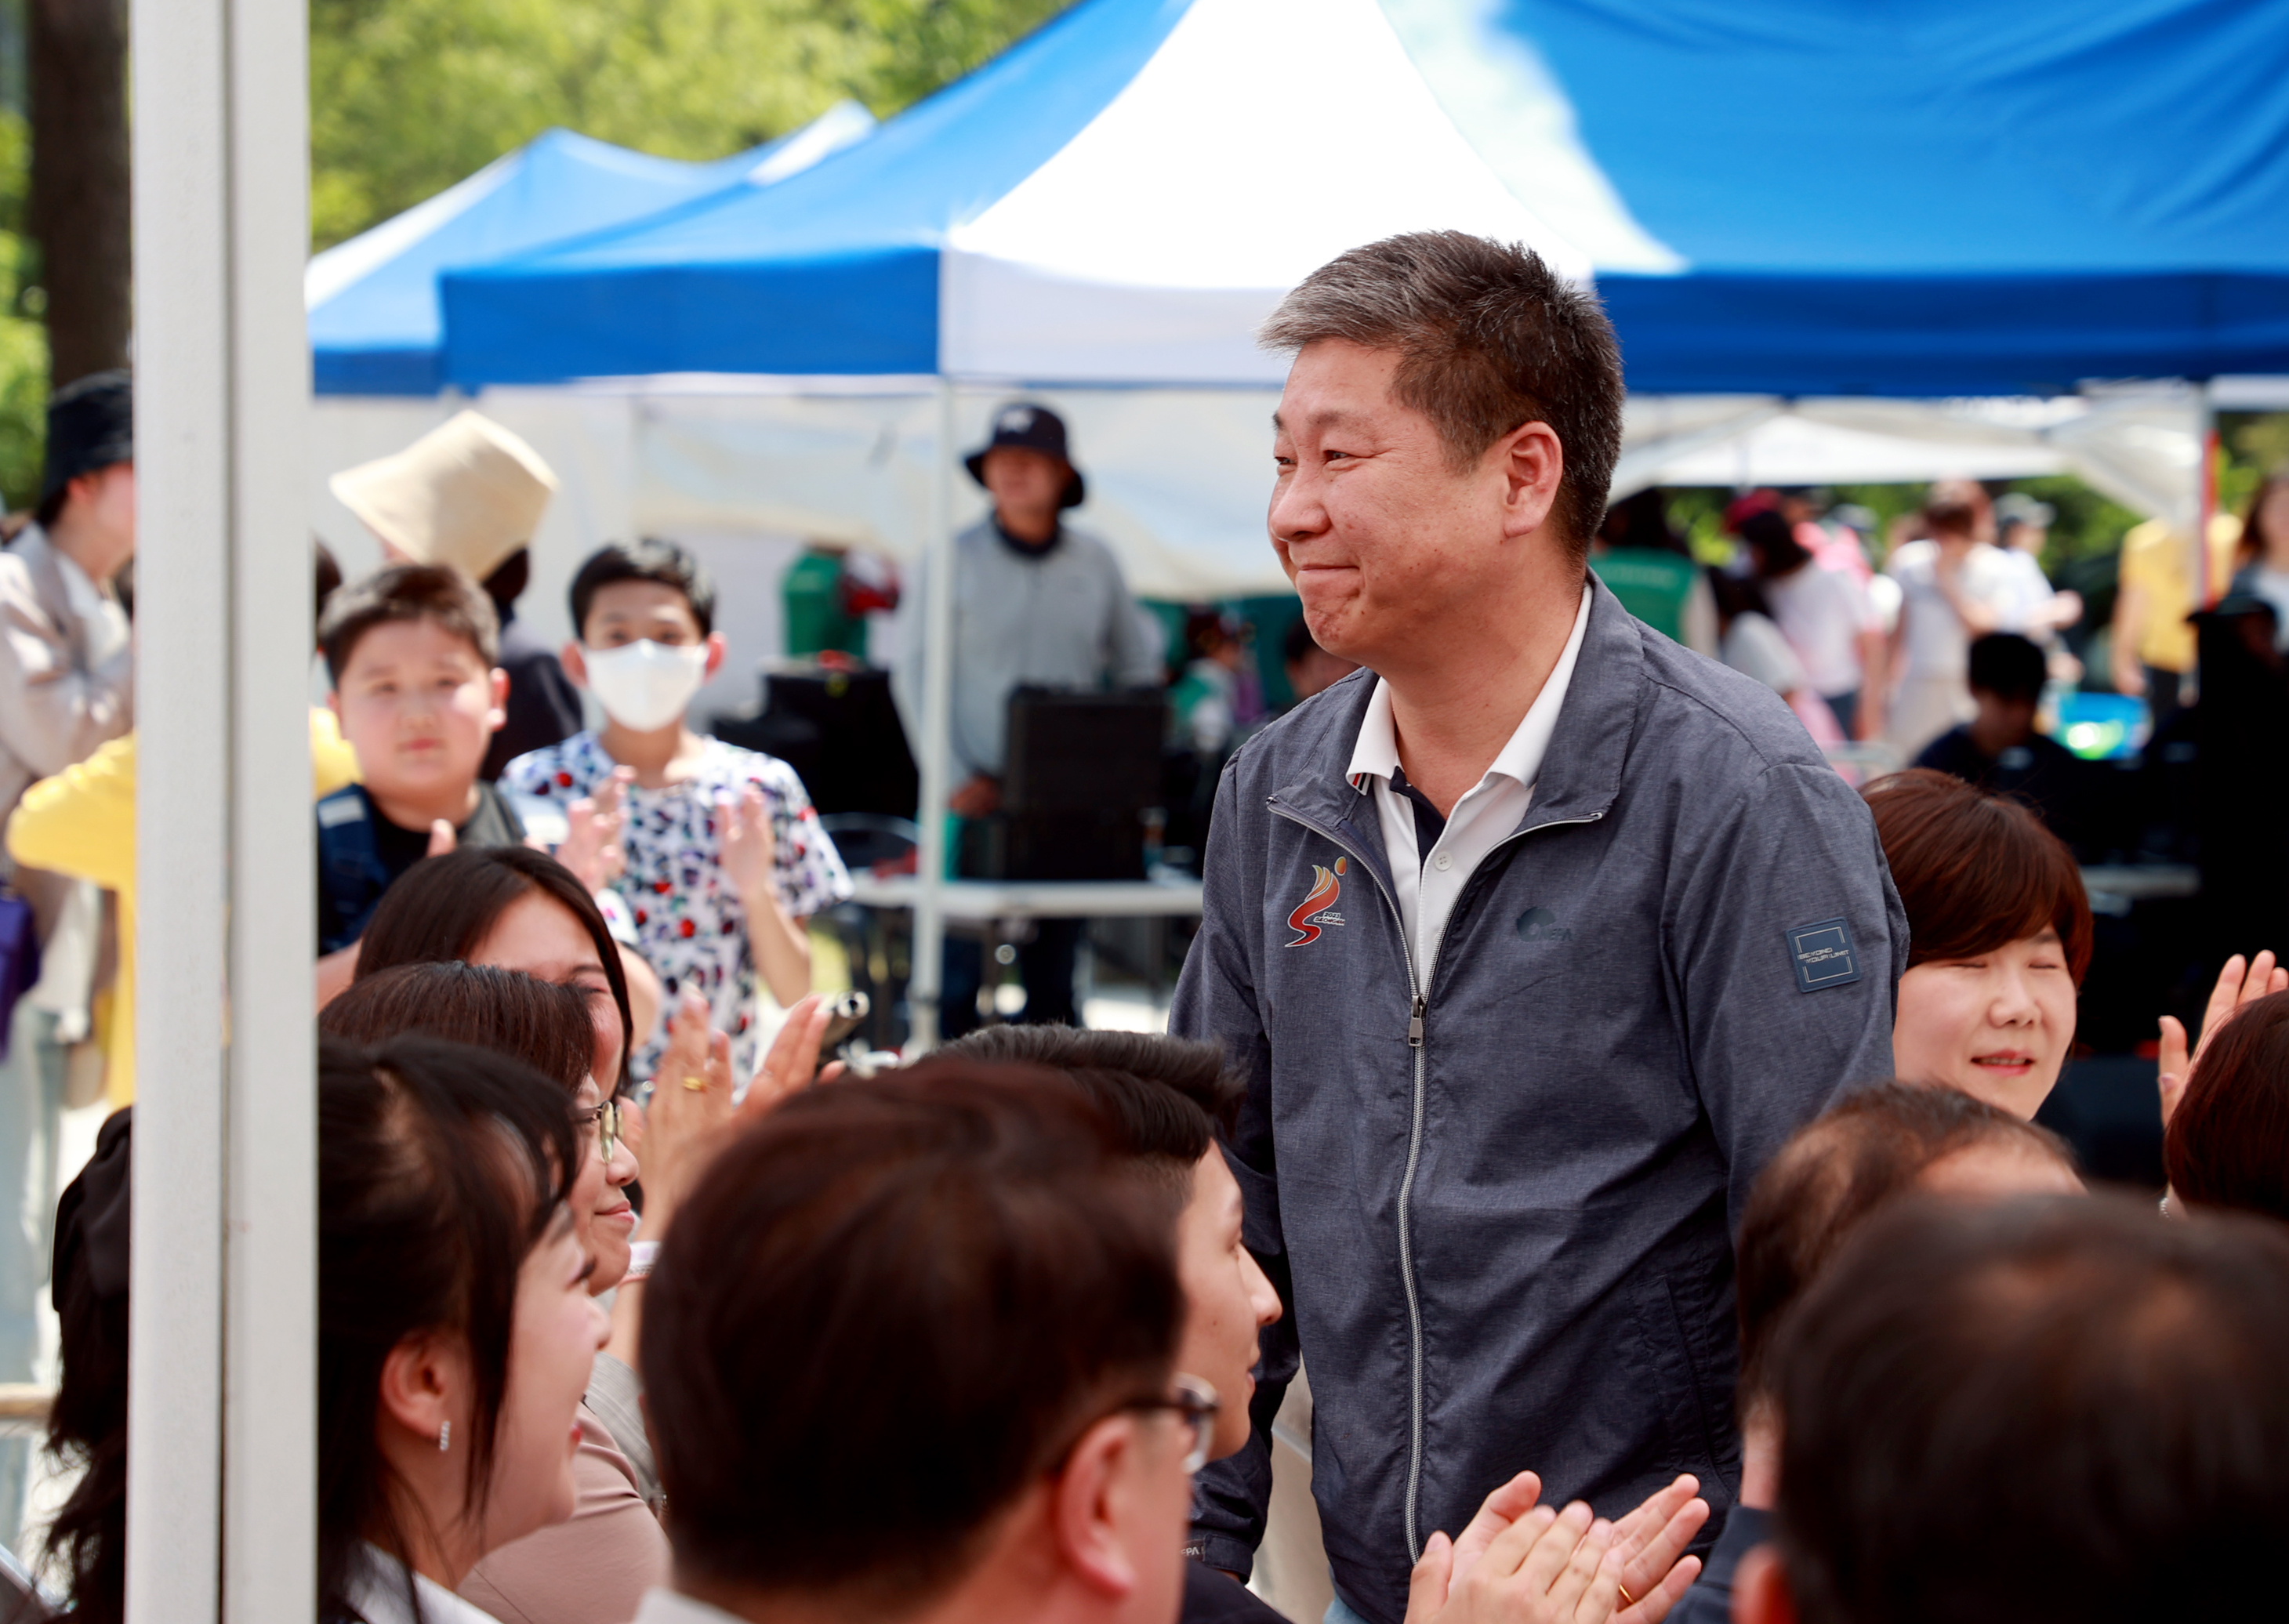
{"x":325,"y":578}
{"x":1735,"y":595}
{"x":1976,"y":871}
{"x":404,"y":593}
{"x":444,"y":908}
{"x":540,"y":1023}
{"x":2008,"y":666}
{"x":1166,"y":1099}
{"x":507,"y":583}
{"x":643,"y":559}
{"x":2228,"y":1142}
{"x":439,"y":1168}
{"x":87,"y":1423}
{"x":2040,"y":1411}
{"x":1773,"y":544}
{"x":888,"y":1308}
{"x":1865,"y":1150}
{"x":1297,"y":643}
{"x":1639,"y":522}
{"x":1489,"y":338}
{"x":2251,"y":548}
{"x":1950,"y":514}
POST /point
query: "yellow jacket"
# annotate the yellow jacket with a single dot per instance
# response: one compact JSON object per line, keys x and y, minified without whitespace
{"x":81,"y":823}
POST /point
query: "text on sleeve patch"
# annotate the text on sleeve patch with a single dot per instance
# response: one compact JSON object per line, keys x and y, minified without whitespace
{"x":1823,"y":955}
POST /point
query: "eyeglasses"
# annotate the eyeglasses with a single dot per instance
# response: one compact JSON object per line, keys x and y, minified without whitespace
{"x":606,"y":1118}
{"x":1196,"y":1403}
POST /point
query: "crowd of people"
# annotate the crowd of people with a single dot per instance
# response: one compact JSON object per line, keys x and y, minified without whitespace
{"x":1626,"y":1120}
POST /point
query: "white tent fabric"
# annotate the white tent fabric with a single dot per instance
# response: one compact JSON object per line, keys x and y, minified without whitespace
{"x":2139,"y":444}
{"x":1150,"y":246}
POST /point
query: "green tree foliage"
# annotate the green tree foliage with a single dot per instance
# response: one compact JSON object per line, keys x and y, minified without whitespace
{"x":23,"y":339}
{"x":409,"y":96}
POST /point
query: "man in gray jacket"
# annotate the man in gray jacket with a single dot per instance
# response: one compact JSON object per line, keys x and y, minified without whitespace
{"x":1035,"y":603}
{"x":1534,"y":938}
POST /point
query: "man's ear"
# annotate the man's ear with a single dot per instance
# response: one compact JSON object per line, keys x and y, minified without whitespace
{"x":1532,"y":462}
{"x":334,"y":704}
{"x":1092,"y":1506}
{"x":575,"y":667}
{"x":497,"y":715}
{"x":714,"y":652}
{"x":1760,"y":1589}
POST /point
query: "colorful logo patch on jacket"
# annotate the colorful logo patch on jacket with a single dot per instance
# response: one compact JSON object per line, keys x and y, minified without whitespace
{"x":1318,"y":908}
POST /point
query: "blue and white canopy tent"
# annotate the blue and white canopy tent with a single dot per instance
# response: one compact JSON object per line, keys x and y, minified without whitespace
{"x":375,"y":326}
{"x":1800,"y":202}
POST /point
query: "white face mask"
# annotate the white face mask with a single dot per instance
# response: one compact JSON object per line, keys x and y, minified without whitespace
{"x":645,"y":685}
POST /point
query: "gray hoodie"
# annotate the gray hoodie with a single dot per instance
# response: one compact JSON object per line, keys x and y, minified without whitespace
{"x":1500,"y":1213}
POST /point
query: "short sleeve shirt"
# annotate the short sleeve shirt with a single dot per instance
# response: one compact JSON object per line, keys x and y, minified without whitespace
{"x":689,"y":921}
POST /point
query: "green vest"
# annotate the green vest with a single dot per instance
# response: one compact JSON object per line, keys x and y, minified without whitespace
{"x":1654,"y":586}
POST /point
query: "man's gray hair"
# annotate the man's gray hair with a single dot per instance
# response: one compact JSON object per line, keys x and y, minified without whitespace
{"x":1489,"y":338}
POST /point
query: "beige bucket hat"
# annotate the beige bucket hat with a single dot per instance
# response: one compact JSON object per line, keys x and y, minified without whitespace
{"x":469,"y":493}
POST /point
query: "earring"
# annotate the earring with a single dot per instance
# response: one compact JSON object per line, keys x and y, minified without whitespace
{"x":444,"y":1437}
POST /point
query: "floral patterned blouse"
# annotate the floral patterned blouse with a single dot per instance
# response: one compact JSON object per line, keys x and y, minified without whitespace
{"x":689,"y":921}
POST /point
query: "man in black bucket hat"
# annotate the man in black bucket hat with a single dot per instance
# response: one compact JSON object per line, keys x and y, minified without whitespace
{"x":1036,"y":603}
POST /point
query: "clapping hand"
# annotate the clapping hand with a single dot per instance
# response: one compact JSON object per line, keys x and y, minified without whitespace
{"x":1543,"y":1567}
{"x":749,"y":847}
{"x":2241,"y":981}
{"x":592,"y":847}
{"x":1649,"y":1543}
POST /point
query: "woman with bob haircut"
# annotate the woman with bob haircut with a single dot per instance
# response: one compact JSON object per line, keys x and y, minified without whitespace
{"x":516,"y":909}
{"x":455,"y":1328}
{"x":1999,"y":938}
{"x":595,"y":1567}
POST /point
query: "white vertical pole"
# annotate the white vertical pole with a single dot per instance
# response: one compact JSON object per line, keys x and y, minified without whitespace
{"x":175,"y":1282}
{"x":222,"y":1442}
{"x":924,"y":979}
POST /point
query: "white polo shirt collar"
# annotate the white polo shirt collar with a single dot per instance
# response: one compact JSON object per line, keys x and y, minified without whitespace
{"x":1430,"y":884}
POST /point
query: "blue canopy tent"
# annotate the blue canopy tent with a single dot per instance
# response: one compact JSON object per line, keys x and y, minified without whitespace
{"x":1806,"y":198}
{"x":375,"y":326}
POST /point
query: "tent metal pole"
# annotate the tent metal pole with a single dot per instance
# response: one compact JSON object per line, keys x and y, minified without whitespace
{"x":221,"y":1522}
{"x":925,"y":976}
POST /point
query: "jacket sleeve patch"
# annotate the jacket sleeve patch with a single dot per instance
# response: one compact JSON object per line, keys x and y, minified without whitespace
{"x":1823,"y":955}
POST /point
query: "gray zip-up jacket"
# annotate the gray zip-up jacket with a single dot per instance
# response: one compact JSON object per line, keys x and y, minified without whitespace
{"x":1497,"y":1189}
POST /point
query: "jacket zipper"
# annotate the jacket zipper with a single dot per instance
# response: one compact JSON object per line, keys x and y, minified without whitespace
{"x":1417,"y":989}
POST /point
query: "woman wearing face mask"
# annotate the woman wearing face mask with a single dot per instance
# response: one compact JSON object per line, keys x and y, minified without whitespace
{"x":1999,"y":938}
{"x":725,"y":858}
{"x":594,"y":1568}
{"x":455,"y":1328}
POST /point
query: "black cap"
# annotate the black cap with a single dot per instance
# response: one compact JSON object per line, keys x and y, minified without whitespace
{"x":1028,"y":427}
{"x":90,"y":427}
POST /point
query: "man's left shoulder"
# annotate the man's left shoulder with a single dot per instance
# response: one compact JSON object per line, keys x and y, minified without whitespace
{"x":1700,"y":719}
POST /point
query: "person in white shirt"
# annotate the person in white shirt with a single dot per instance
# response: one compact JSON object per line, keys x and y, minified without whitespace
{"x":2262,"y":559}
{"x":1953,"y":587}
{"x":1826,"y":618}
{"x":979,"y":1418}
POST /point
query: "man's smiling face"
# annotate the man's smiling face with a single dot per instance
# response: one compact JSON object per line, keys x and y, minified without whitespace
{"x":1382,"y":535}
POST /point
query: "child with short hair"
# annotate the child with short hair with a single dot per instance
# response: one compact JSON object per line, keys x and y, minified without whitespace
{"x":725,"y":858}
{"x":410,"y":650}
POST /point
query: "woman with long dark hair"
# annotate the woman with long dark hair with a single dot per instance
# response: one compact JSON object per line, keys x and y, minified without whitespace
{"x":594,"y":1568}
{"x":455,"y":1328}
